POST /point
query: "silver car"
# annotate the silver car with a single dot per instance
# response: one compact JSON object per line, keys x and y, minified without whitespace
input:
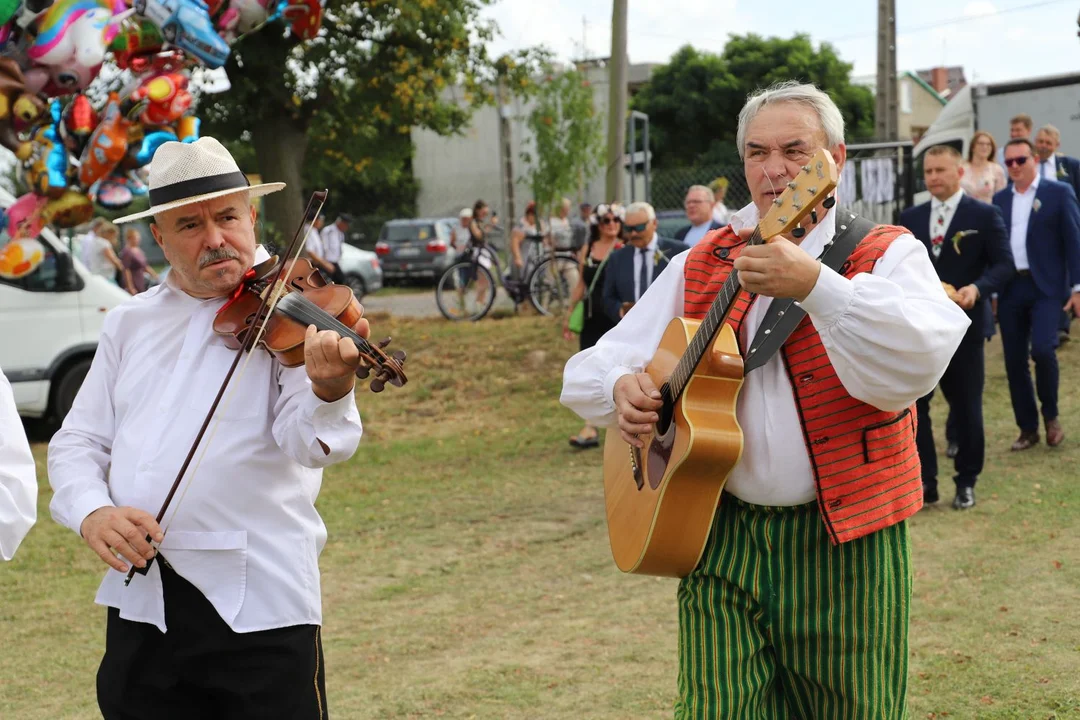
{"x":362,"y":269}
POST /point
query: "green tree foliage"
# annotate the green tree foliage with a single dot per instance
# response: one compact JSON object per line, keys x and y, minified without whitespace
{"x":336,"y":111}
{"x":693,"y":102}
{"x":568,"y":138}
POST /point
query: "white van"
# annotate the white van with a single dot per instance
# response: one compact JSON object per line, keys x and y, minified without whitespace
{"x":50,"y":321}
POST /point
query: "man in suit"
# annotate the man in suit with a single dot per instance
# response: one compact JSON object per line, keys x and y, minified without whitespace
{"x":633,"y":268}
{"x":1043,"y":218}
{"x":699,"y":209}
{"x":1056,"y":166}
{"x":969,"y":248}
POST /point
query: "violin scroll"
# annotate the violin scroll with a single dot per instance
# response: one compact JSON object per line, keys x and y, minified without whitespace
{"x":389,"y":367}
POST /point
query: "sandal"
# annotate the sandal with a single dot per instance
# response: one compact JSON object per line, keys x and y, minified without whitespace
{"x":583,"y":442}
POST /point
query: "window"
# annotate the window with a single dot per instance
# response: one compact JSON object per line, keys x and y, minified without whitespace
{"x":905,"y":96}
{"x":49,"y":275}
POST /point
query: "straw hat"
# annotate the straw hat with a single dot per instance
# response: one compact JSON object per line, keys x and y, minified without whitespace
{"x":187,"y":173}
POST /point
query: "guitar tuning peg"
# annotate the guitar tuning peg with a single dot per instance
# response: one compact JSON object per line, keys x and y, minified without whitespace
{"x":806,"y":169}
{"x":798,"y":232}
{"x":829,"y":202}
{"x":791,"y":184}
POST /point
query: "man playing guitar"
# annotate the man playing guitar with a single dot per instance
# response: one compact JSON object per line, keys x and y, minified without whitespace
{"x":799,"y":604}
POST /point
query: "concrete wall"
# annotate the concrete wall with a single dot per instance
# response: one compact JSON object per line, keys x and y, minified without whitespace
{"x":453,"y":172}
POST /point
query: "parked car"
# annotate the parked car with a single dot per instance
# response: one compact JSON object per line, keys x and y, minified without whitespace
{"x":362,"y":269}
{"x":52,"y":318}
{"x":415,"y":249}
{"x":669,"y":222}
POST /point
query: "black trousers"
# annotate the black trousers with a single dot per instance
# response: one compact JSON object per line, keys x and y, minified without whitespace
{"x":202,"y":669}
{"x":962,"y":386}
{"x":338,"y":276}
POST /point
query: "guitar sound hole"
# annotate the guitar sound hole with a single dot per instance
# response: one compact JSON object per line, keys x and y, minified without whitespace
{"x":666,"y":412}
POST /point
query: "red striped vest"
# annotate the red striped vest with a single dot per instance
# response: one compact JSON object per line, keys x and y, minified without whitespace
{"x":865,"y":462}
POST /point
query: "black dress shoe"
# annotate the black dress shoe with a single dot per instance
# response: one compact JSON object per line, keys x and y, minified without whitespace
{"x":965,"y":498}
{"x":952,"y":450}
{"x":929,"y":494}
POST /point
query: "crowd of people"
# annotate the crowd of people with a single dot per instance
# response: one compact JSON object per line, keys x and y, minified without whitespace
{"x":128,"y":268}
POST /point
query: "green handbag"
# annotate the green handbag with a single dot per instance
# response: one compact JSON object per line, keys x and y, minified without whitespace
{"x":576,"y":323}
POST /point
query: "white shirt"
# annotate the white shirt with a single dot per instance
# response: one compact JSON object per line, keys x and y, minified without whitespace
{"x":648,"y":258}
{"x":721,"y":214}
{"x":313,"y":242}
{"x":950,"y":204}
{"x":697,"y":232}
{"x":1021,"y":213}
{"x":87,"y":248}
{"x":460,"y":237}
{"x":247,"y":533}
{"x":1049,"y":168}
{"x":332,"y":240}
{"x":889,"y":334}
{"x":99,"y":264}
{"x":18,"y":476}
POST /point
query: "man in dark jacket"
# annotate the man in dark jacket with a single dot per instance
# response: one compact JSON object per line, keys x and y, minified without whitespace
{"x":633,"y":268}
{"x":969,"y":248}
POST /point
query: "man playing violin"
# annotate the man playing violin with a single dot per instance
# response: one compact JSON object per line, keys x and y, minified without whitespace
{"x":226,"y":622}
{"x":799,"y":604}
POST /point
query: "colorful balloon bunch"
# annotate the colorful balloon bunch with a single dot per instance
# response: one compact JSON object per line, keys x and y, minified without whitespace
{"x":73,"y":154}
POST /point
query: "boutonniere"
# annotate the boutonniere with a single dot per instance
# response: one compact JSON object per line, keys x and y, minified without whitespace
{"x":656,"y":256}
{"x":1036,"y":205}
{"x":960,"y":236}
{"x":1061,"y":171}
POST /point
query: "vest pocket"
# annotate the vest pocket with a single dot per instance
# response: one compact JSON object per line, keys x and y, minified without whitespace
{"x":885,"y":439}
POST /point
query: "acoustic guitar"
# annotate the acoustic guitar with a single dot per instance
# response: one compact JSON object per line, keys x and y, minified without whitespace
{"x":661,"y":501}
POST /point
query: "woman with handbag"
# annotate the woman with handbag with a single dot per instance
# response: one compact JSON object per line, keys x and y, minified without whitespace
{"x":587,"y":317}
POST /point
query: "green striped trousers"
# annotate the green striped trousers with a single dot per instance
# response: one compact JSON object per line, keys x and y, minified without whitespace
{"x":777,"y":622}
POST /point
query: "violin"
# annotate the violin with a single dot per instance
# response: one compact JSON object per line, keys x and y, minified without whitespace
{"x":305,"y":298}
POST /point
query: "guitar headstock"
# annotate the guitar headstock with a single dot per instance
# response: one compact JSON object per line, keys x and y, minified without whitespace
{"x":804,"y":192}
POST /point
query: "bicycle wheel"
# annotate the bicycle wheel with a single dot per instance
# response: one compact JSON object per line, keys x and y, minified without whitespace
{"x":466,"y":291}
{"x":550,"y":284}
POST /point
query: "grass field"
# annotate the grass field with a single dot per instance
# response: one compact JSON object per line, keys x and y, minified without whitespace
{"x":468,"y":575}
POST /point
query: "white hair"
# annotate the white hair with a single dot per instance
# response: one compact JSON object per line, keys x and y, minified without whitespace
{"x":644,"y":207}
{"x":790,"y":91}
{"x":1052,"y":131}
{"x":700,"y":189}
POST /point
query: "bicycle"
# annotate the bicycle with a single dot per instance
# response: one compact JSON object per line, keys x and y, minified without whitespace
{"x":467,"y":289}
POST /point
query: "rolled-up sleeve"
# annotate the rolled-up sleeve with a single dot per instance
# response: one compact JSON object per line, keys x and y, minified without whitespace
{"x":589,"y":376}
{"x":890,"y":334}
{"x":304,"y":423}
{"x":18,"y":476}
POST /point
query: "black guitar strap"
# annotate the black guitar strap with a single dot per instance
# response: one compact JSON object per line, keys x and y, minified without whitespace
{"x":784,"y":314}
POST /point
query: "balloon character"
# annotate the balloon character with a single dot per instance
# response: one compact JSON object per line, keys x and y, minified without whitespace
{"x":70,"y":43}
{"x":46,"y":168}
{"x":107,"y":145}
{"x":17,"y":106}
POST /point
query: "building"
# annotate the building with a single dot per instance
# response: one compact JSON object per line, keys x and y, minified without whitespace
{"x":917,"y":103}
{"x":452,"y":172}
{"x":947,"y":81}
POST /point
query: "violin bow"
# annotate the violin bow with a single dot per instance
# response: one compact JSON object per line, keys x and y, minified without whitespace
{"x":262,"y":315}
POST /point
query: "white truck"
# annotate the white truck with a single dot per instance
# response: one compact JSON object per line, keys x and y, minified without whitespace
{"x":50,"y":321}
{"x":1053,"y":100}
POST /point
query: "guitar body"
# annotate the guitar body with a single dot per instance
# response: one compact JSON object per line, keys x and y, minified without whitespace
{"x":661,"y":500}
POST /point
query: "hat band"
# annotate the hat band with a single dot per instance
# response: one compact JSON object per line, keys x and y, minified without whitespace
{"x":198,"y":186}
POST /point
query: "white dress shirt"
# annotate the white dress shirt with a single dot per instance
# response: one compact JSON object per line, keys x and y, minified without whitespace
{"x":1049,"y":168}
{"x":332,"y":240}
{"x":1021,"y":213}
{"x":648,"y":257}
{"x":697,"y":232}
{"x":18,"y":476}
{"x":950,"y":204}
{"x":246,"y":534}
{"x":313,"y":242}
{"x":889,"y":334}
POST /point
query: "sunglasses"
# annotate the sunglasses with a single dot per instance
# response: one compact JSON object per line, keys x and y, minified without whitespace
{"x":640,"y":227}
{"x":1009,"y":162}
{"x":608,"y":220}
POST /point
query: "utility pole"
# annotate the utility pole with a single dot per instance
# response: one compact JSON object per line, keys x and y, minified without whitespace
{"x":502,"y":102}
{"x":885,"y":107}
{"x":617,"y":104}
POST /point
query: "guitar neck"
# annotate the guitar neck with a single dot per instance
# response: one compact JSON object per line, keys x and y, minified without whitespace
{"x":710,"y":325}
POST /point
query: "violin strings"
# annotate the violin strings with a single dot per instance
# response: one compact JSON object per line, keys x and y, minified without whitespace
{"x":300,"y":308}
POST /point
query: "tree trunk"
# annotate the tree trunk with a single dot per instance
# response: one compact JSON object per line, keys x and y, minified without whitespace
{"x":280,"y":145}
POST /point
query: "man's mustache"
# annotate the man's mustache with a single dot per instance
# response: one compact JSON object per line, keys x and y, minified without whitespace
{"x":213,"y":256}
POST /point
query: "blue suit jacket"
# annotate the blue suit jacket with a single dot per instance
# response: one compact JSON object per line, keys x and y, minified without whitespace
{"x":619,"y":273}
{"x":1068,"y":171}
{"x":1053,"y":235}
{"x":984,"y":259}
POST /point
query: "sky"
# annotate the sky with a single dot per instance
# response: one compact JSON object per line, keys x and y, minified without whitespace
{"x":994,"y":40}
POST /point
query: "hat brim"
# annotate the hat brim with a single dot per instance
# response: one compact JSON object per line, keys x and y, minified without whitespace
{"x":253,"y":191}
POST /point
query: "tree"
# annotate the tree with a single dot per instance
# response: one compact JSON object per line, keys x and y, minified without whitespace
{"x":342,"y":105}
{"x":693,"y":101}
{"x":568,"y":139}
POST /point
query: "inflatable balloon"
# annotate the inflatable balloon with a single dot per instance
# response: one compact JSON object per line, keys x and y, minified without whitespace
{"x":23,"y":218}
{"x":17,"y":106}
{"x":107,"y":145}
{"x":46,"y":169}
{"x":20,"y":257}
{"x":69,"y":210}
{"x":168,"y":98}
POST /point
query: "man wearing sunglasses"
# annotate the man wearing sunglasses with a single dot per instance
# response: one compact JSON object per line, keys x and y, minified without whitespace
{"x":1043,"y":218}
{"x":633,"y":268}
